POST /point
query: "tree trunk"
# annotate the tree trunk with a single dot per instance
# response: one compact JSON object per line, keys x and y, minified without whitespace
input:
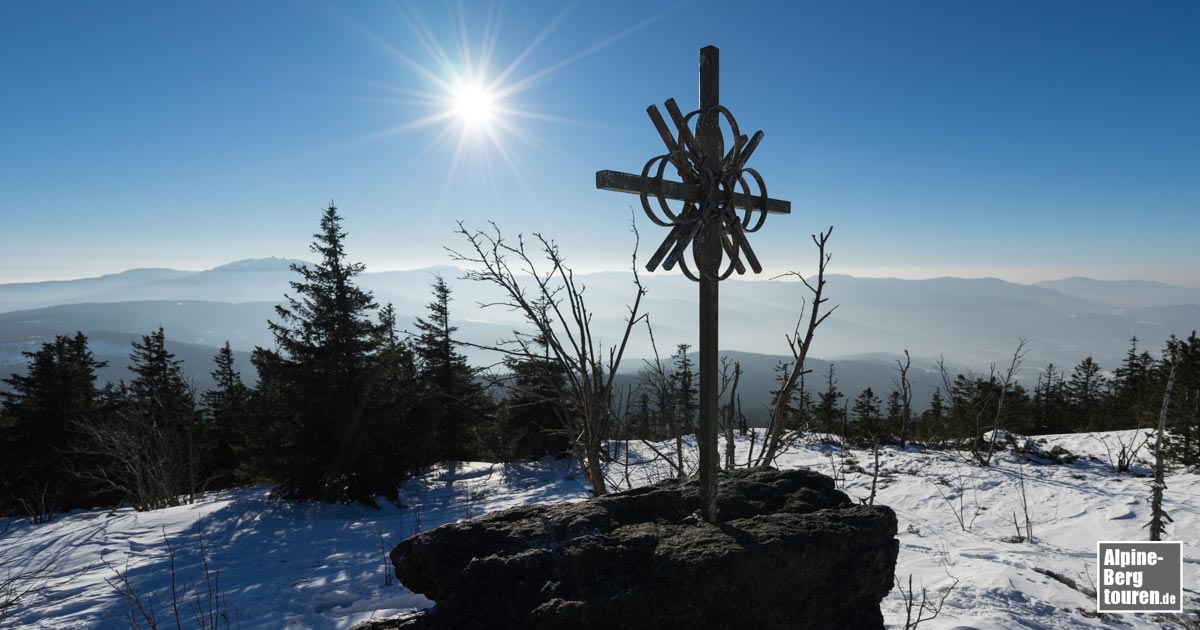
{"x":730,"y":411}
{"x":595,"y":474}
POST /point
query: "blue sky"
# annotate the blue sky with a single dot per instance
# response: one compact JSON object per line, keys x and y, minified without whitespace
{"x":1024,"y":140}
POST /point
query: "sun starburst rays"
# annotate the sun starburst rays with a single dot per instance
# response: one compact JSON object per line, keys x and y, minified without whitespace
{"x":474,"y":103}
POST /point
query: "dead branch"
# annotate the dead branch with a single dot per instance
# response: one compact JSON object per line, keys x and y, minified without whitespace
{"x":799,"y":348}
{"x":553,"y":302}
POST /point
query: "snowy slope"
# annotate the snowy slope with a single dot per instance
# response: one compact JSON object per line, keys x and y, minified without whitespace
{"x":296,"y":565}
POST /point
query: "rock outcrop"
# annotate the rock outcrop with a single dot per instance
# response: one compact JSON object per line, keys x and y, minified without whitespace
{"x":791,"y":552}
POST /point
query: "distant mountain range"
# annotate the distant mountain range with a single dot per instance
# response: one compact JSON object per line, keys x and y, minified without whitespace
{"x":972,"y":322}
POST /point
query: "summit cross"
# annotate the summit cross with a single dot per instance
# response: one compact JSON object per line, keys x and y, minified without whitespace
{"x":714,"y":185}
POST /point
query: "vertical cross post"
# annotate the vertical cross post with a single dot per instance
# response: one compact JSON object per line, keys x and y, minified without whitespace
{"x":714,"y":185}
{"x":709,"y":263}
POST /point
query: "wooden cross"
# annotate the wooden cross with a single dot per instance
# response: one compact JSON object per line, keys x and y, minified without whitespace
{"x":714,"y":185}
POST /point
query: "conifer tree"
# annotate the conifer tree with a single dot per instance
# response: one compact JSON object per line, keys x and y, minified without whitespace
{"x":162,"y":408}
{"x":143,"y":448}
{"x":225,"y":414}
{"x":533,"y":414}
{"x":866,"y":414}
{"x":1130,"y":389}
{"x":1182,"y":445}
{"x":828,"y":411}
{"x":453,"y":400}
{"x":38,"y":412}
{"x":158,"y":384}
{"x":804,"y":404}
{"x":685,"y":388}
{"x":1085,"y":391}
{"x":895,"y":410}
{"x":397,"y":441}
{"x":934,"y":418}
{"x":326,"y":342}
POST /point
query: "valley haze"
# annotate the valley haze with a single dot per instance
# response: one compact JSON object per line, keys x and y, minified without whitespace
{"x":972,"y":322}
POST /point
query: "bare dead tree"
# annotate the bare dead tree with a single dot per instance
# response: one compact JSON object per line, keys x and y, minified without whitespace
{"x":1024,"y":504}
{"x":1158,"y":517}
{"x":967,"y":409}
{"x":730,"y":418}
{"x":960,"y":403}
{"x":663,"y":388}
{"x":553,"y":302}
{"x":1006,"y":382}
{"x":905,"y":397}
{"x":799,"y":347}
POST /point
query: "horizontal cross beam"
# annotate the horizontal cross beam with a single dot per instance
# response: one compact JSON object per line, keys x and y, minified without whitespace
{"x":637,"y":185}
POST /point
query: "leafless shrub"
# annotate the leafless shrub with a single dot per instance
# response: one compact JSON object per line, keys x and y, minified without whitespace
{"x":1124,"y":454}
{"x":923,"y":608}
{"x":149,"y":460}
{"x":21,"y":582}
{"x":965,"y":521}
{"x":553,"y":302}
{"x":206,"y":602}
{"x":389,"y":577}
{"x":40,"y":504}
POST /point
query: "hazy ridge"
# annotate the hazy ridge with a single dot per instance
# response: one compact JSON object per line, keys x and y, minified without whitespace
{"x":972,"y":322}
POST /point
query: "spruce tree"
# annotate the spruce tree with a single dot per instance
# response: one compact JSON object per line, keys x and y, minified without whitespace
{"x":158,"y":383}
{"x":320,"y":373}
{"x":533,"y":413}
{"x":160,"y":416}
{"x":398,"y":441}
{"x":934,"y":418}
{"x":804,"y":405}
{"x":866,"y":415}
{"x":1085,"y":391}
{"x":1130,"y":389}
{"x":453,"y":400}
{"x":225,"y":416}
{"x":38,"y":413}
{"x":828,"y":411}
{"x":1051,"y":411}
{"x":685,"y":388}
{"x":1181,"y":445}
{"x":895,"y":411}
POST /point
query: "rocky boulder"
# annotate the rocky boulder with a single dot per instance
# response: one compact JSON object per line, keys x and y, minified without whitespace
{"x":790,"y":551}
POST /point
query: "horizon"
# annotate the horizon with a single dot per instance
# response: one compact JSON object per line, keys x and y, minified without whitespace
{"x":747,"y":278}
{"x":960,"y":141}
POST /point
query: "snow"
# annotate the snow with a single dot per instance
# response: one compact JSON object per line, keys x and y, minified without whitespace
{"x":297,"y":565}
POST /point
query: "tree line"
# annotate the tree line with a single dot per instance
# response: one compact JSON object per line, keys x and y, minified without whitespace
{"x":966,"y":406}
{"x":347,"y":405}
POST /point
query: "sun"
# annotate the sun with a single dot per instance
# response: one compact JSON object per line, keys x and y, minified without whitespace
{"x":480,"y":110}
{"x":474,"y":105}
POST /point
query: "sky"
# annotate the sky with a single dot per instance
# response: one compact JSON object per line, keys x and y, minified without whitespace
{"x":1022,"y":140}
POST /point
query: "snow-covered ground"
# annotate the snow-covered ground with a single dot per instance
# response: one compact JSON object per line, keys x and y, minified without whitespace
{"x":298,"y":565}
